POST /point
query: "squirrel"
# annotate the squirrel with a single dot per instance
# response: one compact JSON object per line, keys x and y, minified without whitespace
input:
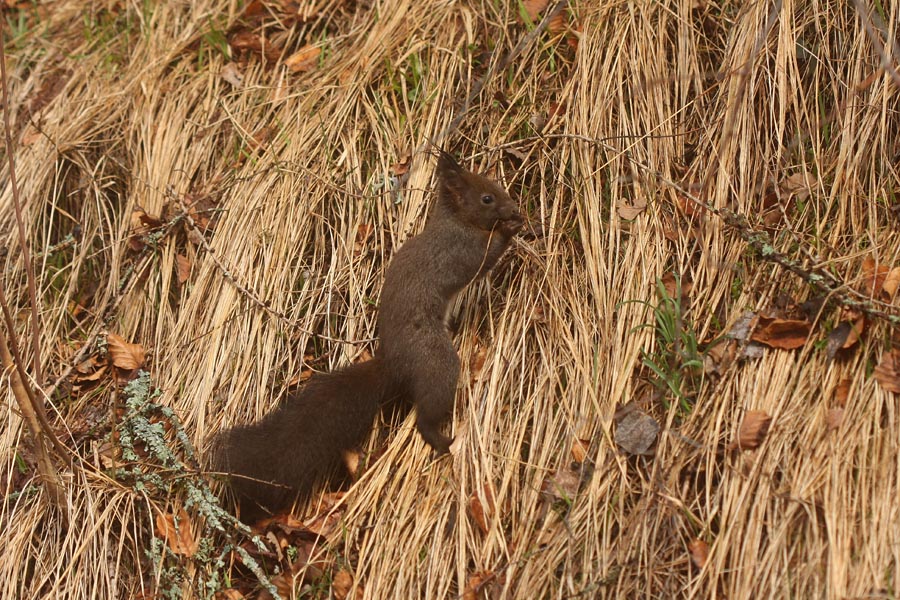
{"x":283,"y":456}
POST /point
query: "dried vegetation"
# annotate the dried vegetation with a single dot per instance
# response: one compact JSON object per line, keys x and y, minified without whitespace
{"x":682,"y":383}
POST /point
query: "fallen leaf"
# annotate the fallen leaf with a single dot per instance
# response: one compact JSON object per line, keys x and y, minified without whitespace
{"x":182,"y":268}
{"x":476,"y":584}
{"x":341,"y":584}
{"x":401,"y":167}
{"x":753,"y":429}
{"x":887,"y":373}
{"x":874,"y":277}
{"x":580,"y":449}
{"x":229,"y":594}
{"x":743,"y":326}
{"x":669,"y":281}
{"x":630,"y":211}
{"x":176,"y":531}
{"x":562,"y":484}
{"x":558,"y":23}
{"x":798,"y":185}
{"x":834,"y":418}
{"x":699,"y":551}
{"x":124,"y":355}
{"x":533,"y":8}
{"x":890,"y":285}
{"x":476,"y":363}
{"x":482,"y":511}
{"x":842,"y":392}
{"x":232,"y":75}
{"x":636,"y":433}
{"x":783,"y":334}
{"x":304,"y":59}
{"x":363,"y":233}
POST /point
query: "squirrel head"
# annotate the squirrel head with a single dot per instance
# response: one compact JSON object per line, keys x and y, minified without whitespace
{"x":476,"y":200}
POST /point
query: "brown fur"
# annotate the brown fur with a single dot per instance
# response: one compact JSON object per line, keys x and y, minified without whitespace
{"x":301,"y":442}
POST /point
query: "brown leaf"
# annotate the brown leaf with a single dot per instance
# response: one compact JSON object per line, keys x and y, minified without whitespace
{"x":580,"y":449}
{"x":177,"y":532}
{"x":304,"y":59}
{"x":842,"y":392}
{"x":182,"y":268}
{"x":834,"y":418}
{"x":124,"y":355}
{"x":534,"y":8}
{"x":784,"y":334}
{"x":341,"y":584}
{"x":363,"y":233}
{"x":887,"y":373}
{"x":669,"y":282}
{"x":631,"y":211}
{"x":558,"y":22}
{"x":753,"y":429}
{"x":231,"y":73}
{"x":874,"y":277}
{"x":481,"y":513}
{"x":890,"y":285}
{"x":798,"y":185}
{"x":699,"y":551}
{"x":402,"y":166}
{"x":475,"y":587}
{"x":476,"y":363}
{"x":636,"y":433}
{"x":563,"y":483}
{"x":229,"y":594}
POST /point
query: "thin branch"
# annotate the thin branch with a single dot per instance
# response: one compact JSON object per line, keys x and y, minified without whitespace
{"x":26,"y":255}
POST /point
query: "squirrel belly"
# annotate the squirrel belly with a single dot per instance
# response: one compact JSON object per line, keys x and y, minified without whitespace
{"x":282,"y":457}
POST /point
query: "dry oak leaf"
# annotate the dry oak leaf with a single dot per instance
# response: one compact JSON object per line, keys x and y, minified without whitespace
{"x":753,"y":429}
{"x":182,"y":268}
{"x":783,"y":334}
{"x":637,"y":432}
{"x":176,"y":530}
{"x":887,"y":373}
{"x":231,"y":73}
{"x":834,"y":418}
{"x":874,"y":277}
{"x":891,"y":283}
{"x":402,"y":166}
{"x":124,"y":355}
{"x":699,"y":551}
{"x":631,"y":211}
{"x":481,"y":511}
{"x":303,"y":59}
{"x":580,"y":449}
{"x":533,"y":8}
{"x":475,"y":587}
{"x":341,"y":585}
{"x":842,"y":392}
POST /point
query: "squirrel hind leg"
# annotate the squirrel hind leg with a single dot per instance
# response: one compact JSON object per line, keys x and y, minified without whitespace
{"x":434,"y":389}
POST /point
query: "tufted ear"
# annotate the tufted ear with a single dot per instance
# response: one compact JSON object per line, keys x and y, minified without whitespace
{"x":446,"y":163}
{"x":451,"y":180}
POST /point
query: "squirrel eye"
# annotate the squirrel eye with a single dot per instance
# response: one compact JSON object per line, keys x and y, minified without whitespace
{"x":487,"y":199}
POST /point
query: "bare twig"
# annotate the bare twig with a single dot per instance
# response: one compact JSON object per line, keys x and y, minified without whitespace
{"x":17,"y":204}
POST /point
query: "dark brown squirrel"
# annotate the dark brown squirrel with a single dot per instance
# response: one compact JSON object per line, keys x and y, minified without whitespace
{"x":282,"y":456}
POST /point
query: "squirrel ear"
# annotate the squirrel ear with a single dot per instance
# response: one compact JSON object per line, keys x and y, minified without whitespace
{"x":446,"y":163}
{"x":450,"y":177}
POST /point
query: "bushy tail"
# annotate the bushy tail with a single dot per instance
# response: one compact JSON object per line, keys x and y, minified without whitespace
{"x":299,"y":444}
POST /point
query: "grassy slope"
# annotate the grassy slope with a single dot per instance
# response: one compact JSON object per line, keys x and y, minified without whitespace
{"x":132,"y":102}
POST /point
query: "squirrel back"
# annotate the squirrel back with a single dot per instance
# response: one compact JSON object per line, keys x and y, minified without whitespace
{"x":302,"y":442}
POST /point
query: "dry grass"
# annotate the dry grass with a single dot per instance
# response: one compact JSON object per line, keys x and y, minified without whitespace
{"x":127,"y":102}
